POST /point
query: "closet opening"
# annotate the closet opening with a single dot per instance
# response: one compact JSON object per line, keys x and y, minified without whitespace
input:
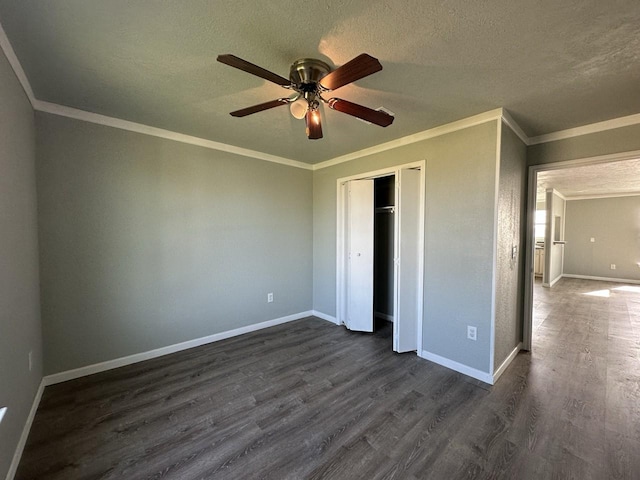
{"x":383,"y":248}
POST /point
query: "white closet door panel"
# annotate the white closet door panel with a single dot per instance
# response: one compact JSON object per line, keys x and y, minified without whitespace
{"x":407,"y":262}
{"x":360,"y":253}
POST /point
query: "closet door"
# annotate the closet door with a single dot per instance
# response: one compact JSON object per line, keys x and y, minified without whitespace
{"x":408,"y":282}
{"x":360,"y":256}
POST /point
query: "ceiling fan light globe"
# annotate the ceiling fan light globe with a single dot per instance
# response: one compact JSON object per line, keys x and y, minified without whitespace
{"x":299,"y":108}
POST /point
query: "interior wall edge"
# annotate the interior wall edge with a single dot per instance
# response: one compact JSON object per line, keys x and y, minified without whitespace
{"x":25,"y":432}
{"x":485,"y":377}
{"x":324,"y":316}
{"x":20,"y":315}
{"x":494,"y":270}
{"x":507,"y":361}
{"x":510,"y":253}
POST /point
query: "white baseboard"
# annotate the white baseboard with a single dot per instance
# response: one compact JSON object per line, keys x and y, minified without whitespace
{"x":485,"y":377}
{"x":603,"y":279}
{"x":324,"y":316}
{"x":159,"y":352}
{"x":555,"y":280}
{"x":384,"y":316}
{"x":506,"y":362}
{"x":25,"y":433}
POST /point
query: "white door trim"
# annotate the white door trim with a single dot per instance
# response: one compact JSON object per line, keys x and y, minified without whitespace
{"x":527,"y":332}
{"x":341,"y":247}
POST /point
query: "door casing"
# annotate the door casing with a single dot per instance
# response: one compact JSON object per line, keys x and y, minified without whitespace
{"x":342,"y":247}
{"x":527,"y":331}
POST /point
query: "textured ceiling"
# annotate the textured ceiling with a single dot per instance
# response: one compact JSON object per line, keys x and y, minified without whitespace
{"x":615,"y":178}
{"x":553,"y":65}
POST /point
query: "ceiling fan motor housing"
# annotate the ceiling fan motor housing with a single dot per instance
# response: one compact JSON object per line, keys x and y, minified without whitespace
{"x":306,"y":73}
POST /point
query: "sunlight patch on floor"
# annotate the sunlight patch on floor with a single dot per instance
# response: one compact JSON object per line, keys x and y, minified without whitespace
{"x":599,"y":293}
{"x":628,"y":288}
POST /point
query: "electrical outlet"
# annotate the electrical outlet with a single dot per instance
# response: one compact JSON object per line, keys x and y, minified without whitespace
{"x":592,"y":240}
{"x":472,"y":332}
{"x":613,"y":266}
{"x":31,"y":360}
{"x":269,"y":297}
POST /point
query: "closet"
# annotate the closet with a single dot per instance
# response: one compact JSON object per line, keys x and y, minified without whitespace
{"x":380,"y":252}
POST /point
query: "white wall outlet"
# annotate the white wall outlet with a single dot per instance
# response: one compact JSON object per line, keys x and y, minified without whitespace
{"x":472,"y":333}
{"x":31,"y":360}
{"x":613,"y":266}
{"x":592,"y":240}
{"x":269,"y":297}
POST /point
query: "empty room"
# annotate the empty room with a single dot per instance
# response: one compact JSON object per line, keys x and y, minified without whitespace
{"x":330,"y":240}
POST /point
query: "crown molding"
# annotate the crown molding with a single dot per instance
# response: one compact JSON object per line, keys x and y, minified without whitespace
{"x":587,"y":129}
{"x":70,"y":112}
{"x":597,"y":196}
{"x":499,"y":113}
{"x":96,"y":118}
{"x":556,"y":192}
{"x":511,"y":123}
{"x":416,"y":137}
{"x":15,"y":65}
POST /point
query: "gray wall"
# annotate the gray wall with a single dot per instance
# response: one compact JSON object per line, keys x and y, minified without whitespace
{"x":617,"y":140}
{"x":617,"y":237}
{"x":511,"y":233}
{"x":147,"y":242}
{"x":19,"y":293}
{"x":459,"y":219}
{"x":553,"y":253}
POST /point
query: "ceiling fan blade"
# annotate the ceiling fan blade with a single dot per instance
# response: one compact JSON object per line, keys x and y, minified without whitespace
{"x":259,"y":108}
{"x":360,"y":67}
{"x":365,"y":113}
{"x":248,"y":67}
{"x":314,"y":124}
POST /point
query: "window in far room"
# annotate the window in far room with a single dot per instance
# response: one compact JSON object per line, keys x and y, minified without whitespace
{"x":540,"y":224}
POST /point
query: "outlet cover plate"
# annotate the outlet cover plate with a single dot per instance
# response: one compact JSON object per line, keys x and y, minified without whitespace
{"x":472,"y":333}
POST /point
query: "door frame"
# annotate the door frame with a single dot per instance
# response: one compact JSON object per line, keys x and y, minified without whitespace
{"x":527,"y":330}
{"x":341,"y":243}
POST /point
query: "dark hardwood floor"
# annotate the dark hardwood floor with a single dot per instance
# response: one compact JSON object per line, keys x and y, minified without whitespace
{"x":309,"y":400}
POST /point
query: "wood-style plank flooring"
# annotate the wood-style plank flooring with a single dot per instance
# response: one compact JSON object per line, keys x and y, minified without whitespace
{"x":309,"y":400}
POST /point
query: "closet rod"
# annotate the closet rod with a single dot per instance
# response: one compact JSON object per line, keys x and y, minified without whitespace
{"x":390,"y":209}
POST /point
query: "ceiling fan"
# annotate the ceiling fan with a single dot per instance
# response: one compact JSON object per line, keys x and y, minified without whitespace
{"x":310,"y":78}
